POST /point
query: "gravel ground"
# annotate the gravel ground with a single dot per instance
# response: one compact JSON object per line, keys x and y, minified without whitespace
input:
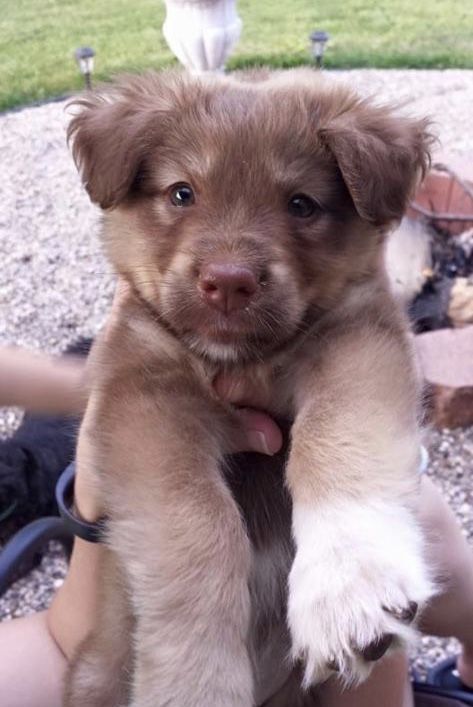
{"x":55,"y":285}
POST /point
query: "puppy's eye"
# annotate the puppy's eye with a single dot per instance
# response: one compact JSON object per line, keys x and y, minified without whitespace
{"x":302,"y":206}
{"x":181,"y":195}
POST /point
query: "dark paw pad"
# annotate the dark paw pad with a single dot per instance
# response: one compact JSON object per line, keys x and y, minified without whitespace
{"x":376,"y":649}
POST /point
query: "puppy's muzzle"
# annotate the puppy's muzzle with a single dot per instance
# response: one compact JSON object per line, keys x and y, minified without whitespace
{"x":227,"y":287}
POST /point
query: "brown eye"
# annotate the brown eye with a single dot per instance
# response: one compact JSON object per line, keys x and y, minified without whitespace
{"x":181,"y":195}
{"x":302,"y":206}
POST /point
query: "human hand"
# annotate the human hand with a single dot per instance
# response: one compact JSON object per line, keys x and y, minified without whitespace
{"x":258,"y":432}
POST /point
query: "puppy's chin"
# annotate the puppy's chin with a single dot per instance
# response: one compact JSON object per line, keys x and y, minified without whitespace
{"x":250,"y":335}
{"x":228,"y":354}
{"x":224,"y":349}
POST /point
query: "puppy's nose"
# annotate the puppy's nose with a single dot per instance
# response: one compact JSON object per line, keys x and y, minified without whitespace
{"x":227,"y":287}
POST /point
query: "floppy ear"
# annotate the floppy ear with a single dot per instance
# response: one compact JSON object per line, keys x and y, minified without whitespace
{"x":381,"y":156}
{"x":114,"y":130}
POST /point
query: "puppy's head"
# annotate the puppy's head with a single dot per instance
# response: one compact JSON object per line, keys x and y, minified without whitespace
{"x":240,"y":210}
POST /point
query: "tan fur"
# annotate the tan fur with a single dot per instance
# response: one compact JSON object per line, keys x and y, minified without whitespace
{"x":193,"y":593}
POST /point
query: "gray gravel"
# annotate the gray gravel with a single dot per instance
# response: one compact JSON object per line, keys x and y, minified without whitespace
{"x":56,"y":286}
{"x":451,"y":469}
{"x":444,"y":96}
{"x":35,"y":591}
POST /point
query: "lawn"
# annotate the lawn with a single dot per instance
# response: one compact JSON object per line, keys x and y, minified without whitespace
{"x":38,"y":37}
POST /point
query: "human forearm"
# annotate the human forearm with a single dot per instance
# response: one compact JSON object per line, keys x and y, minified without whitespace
{"x":32,"y":666}
{"x":74,"y":609}
{"x":42,"y":383}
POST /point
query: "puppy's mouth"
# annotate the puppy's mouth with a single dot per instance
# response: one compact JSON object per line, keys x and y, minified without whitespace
{"x":226,"y":329}
{"x":251,"y":332}
{"x":237,"y":339}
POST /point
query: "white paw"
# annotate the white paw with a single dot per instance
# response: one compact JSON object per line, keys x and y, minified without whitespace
{"x":357,"y":575}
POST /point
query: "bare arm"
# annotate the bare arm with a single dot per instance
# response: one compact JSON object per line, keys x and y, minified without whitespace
{"x":41,"y":383}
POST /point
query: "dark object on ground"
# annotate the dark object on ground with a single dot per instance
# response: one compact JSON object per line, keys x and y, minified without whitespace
{"x":444,"y":676}
{"x":429,"y":310}
{"x":452,"y":258}
{"x":32,"y":460}
{"x":433,"y":700}
{"x":23,"y":551}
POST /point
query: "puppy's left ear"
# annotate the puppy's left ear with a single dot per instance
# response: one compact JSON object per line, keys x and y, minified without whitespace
{"x":114,"y":130}
{"x":382,"y":157}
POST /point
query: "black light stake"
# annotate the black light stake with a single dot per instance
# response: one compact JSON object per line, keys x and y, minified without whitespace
{"x":84,"y":57}
{"x":319,"y":39}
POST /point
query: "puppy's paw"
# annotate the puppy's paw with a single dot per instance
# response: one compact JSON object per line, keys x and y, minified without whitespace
{"x":357,"y":581}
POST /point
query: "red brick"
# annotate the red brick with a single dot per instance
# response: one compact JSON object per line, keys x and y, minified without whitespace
{"x":441,"y":193}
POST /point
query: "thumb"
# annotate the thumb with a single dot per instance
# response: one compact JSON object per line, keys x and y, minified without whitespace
{"x":258,"y":433}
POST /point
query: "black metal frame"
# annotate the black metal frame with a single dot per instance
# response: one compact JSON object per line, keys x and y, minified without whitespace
{"x":23,"y":551}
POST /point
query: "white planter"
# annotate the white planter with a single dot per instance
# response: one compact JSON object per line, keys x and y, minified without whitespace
{"x":202,"y":34}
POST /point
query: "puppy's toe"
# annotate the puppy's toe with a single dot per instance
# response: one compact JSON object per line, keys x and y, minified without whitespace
{"x":405,"y":614}
{"x":377,"y":648}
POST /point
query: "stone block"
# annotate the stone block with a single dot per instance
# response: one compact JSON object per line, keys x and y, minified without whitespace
{"x":446,"y":361}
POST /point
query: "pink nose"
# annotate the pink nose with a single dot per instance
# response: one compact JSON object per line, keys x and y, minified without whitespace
{"x":227,"y":287}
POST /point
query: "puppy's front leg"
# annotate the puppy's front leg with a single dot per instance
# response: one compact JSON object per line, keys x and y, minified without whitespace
{"x":178,"y":533}
{"x":359,"y":573}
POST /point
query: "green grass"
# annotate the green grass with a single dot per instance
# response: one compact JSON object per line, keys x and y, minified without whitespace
{"x":38,"y":37}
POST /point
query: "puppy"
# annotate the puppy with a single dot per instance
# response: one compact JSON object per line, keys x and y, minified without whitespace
{"x":249,"y":218}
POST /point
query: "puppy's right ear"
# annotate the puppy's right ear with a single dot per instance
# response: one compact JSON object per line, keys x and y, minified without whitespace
{"x":113,"y":132}
{"x":381,"y":154}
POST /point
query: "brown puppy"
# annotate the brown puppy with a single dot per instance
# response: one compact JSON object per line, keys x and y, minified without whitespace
{"x":249,"y":219}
